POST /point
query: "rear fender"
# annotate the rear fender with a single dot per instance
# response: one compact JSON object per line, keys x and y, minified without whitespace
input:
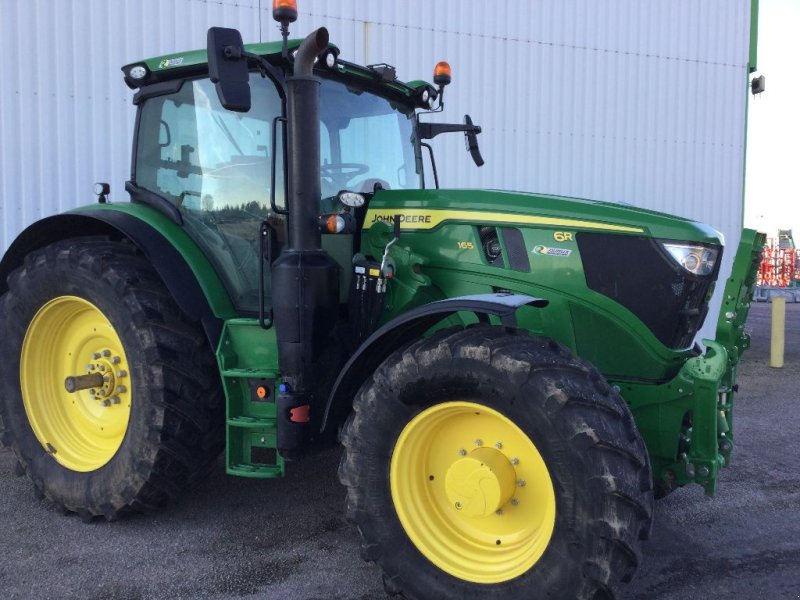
{"x":407,"y":327}
{"x":186,"y":273}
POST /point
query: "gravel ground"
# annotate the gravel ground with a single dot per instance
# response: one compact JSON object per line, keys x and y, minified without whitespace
{"x":286,"y":539}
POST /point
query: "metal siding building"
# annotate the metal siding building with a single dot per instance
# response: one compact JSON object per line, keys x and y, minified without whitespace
{"x":635,"y":101}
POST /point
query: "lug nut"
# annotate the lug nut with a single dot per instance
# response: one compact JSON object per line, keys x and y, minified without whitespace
{"x":690,"y":470}
{"x":115,"y":360}
{"x":498,"y":512}
{"x":106,"y":353}
{"x":92,"y":392}
{"x":121,"y":373}
{"x":514,"y":502}
{"x":121,"y":389}
{"x":479,"y":442}
{"x":90,"y":367}
{"x":102,"y":368}
{"x":498,"y":445}
{"x":521,"y":483}
{"x":462,"y":452}
{"x":115,"y":400}
{"x":703,"y":471}
{"x":458,"y":505}
{"x":515,"y":461}
{"x":96,"y":355}
{"x":106,"y":402}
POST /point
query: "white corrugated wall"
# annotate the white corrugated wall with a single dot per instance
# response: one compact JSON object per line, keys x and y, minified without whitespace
{"x":639,"y":101}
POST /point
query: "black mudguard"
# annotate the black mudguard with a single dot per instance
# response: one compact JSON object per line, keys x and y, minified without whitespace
{"x":404,"y":329}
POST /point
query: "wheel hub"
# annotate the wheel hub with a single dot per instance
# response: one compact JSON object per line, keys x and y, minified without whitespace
{"x":111,"y":368}
{"x":479,"y":484}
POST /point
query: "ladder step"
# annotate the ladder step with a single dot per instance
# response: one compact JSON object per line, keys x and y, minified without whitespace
{"x":256,"y":471}
{"x":249,"y":373}
{"x":244,"y":421}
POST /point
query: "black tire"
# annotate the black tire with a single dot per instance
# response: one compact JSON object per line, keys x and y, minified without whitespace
{"x":176,"y":424}
{"x":582,"y":428}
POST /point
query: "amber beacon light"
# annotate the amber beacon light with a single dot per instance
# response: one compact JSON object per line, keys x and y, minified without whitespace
{"x":442,"y":73}
{"x":284,"y":11}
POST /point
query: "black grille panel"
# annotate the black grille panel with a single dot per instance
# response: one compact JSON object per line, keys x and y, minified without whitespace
{"x":640,"y":275}
{"x":517,"y":252}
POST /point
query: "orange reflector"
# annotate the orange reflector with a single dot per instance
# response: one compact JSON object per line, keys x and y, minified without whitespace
{"x":300,"y":414}
{"x":261,"y":392}
{"x":284,"y":10}
{"x":334,"y":224}
{"x":442,"y":73}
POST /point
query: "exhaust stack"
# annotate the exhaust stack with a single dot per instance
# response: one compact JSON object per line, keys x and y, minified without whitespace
{"x":305,"y":280}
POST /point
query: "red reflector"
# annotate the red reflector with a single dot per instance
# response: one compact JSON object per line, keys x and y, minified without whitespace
{"x":300,"y":414}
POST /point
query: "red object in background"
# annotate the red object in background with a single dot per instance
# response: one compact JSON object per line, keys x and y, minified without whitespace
{"x":779,"y":266}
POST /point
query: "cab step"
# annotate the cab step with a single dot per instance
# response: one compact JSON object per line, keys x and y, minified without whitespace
{"x":248,"y":362}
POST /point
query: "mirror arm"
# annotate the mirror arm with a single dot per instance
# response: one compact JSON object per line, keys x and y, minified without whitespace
{"x":429,"y":131}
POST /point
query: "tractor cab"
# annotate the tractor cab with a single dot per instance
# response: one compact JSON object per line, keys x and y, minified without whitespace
{"x":222,"y":173}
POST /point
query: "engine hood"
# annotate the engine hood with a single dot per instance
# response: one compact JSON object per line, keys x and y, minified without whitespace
{"x":428,"y":209}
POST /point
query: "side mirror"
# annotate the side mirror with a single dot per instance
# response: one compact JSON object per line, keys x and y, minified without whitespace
{"x":227,"y":68}
{"x":471,"y":134}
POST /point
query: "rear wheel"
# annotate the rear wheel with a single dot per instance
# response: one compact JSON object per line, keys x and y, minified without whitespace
{"x":487,"y":463}
{"x":144,"y":418}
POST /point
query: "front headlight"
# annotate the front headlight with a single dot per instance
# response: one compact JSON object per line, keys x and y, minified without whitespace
{"x":699,"y":260}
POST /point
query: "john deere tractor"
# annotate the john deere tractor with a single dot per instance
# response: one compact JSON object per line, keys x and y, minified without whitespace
{"x":513,"y":376}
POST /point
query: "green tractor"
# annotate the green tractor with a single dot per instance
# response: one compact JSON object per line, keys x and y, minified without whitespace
{"x":513,"y":376}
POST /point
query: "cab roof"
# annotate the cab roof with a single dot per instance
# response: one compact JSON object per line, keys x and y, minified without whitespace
{"x":195,"y":63}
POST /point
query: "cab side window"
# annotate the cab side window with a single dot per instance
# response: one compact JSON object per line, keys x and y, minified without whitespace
{"x":214,"y":165}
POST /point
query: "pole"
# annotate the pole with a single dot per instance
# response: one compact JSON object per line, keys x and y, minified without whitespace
{"x":778,"y":332}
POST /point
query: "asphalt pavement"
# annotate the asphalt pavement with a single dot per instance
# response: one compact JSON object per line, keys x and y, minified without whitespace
{"x":287,"y":540}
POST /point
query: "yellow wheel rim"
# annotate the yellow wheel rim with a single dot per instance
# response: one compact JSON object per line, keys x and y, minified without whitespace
{"x":70,"y":336}
{"x":472,"y":492}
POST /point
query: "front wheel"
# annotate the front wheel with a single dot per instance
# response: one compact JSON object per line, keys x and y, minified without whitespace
{"x":488,"y":463}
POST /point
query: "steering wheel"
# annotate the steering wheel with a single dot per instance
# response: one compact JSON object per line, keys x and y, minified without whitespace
{"x":340,"y":173}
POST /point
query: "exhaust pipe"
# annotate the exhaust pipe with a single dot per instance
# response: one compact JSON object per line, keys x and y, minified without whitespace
{"x":305,"y":280}
{"x":303,"y":150}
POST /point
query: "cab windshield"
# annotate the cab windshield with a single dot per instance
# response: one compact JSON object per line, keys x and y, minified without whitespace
{"x":214,"y":165}
{"x":364,"y":140}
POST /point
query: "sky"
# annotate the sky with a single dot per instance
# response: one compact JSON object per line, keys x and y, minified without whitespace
{"x":772,"y":185}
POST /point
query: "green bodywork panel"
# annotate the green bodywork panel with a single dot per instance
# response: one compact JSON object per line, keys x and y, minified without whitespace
{"x":207,"y":277}
{"x":440,"y":255}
